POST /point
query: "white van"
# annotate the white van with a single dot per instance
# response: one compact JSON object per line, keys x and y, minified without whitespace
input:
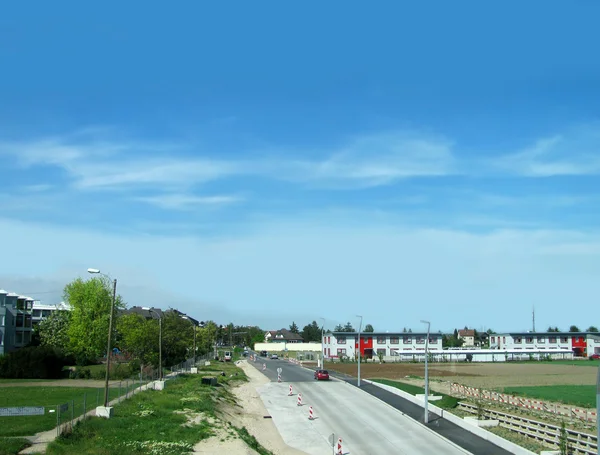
{"x":227,"y":356}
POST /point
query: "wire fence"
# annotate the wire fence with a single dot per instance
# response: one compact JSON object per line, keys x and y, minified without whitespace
{"x":63,"y":409}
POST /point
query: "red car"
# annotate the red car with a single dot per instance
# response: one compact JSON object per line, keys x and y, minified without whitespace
{"x":595,"y":357}
{"x":322,"y":375}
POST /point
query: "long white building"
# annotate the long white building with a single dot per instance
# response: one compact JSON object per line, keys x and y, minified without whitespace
{"x":582,"y":344}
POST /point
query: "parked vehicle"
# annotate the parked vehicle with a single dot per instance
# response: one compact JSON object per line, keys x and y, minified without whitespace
{"x":595,"y":357}
{"x":227,"y":356}
{"x":274,"y":357}
{"x":322,"y":375}
{"x":264,"y":353}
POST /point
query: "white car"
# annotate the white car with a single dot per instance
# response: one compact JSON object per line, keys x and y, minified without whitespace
{"x":274,"y":357}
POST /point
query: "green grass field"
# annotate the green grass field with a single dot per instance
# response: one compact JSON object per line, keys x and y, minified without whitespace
{"x":49,"y":397}
{"x":12,"y":446}
{"x":575,"y":395}
{"x":447,"y":402}
{"x":154,"y":422}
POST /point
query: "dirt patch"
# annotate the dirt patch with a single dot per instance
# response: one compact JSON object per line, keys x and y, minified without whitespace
{"x":489,"y":375}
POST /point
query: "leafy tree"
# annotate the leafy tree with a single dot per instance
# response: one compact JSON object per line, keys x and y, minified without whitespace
{"x":574,"y":328}
{"x":592,"y":328}
{"x":455,"y":334}
{"x":369,"y":328}
{"x":91,"y":302}
{"x":138,"y":336}
{"x":553,"y":329}
{"x":338,"y":328}
{"x":294,"y":328}
{"x":348,"y":327}
{"x":177,"y":338}
{"x":311,"y":332}
{"x":206,"y":337}
{"x":54,"y":330}
{"x":404,"y":330}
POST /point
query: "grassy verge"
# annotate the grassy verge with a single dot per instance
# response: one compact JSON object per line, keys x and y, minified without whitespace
{"x":49,"y":397}
{"x":12,"y":446}
{"x":251,"y":441}
{"x":576,"y":395}
{"x":166,"y":422}
{"x":447,"y":401}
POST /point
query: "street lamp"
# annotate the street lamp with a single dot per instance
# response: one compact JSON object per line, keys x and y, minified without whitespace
{"x":359,"y":329}
{"x":195,"y":324}
{"x":110,"y":323}
{"x":152,"y":310}
{"x":322,"y":348}
{"x":426,"y":418}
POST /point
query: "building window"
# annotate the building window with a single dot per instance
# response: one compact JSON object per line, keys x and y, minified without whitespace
{"x":518,"y":340}
{"x":19,"y":337}
{"x":381,"y":352}
{"x":552,"y":340}
{"x":420,"y":340}
{"x":541,"y":340}
{"x":433,"y":340}
{"x":47,"y":313}
{"x":381,"y":340}
{"x":37,"y":313}
{"x":529,"y":340}
{"x":503,"y":339}
{"x":341,"y":352}
{"x":564,"y":340}
{"x":19,"y":320}
{"x":341,"y":340}
{"x":2,"y":320}
{"x":407,"y":340}
{"x":493,"y":340}
{"x":328,"y":340}
{"x":366,"y":340}
{"x":394,"y":340}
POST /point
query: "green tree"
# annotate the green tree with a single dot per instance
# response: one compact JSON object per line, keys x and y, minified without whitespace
{"x":91,"y":302}
{"x":369,"y":328}
{"x":294,"y":328}
{"x":54,"y":330}
{"x":206,"y":337}
{"x":177,"y":338}
{"x":138,"y":336}
{"x":553,"y":329}
{"x":339,"y":328}
{"x":574,"y":328}
{"x":348,"y":327}
{"x":311,"y":332}
{"x":592,"y":328}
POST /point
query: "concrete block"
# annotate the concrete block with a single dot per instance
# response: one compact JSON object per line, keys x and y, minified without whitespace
{"x":209,"y":380}
{"x":159,"y":385}
{"x":482,"y":423}
{"x":421,"y":396}
{"x":194,"y":370}
{"x":207,"y":363}
{"x":104,"y":411}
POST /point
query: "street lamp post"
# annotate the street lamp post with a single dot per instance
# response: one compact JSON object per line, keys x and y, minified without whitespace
{"x":195,"y":326}
{"x":426,"y":418}
{"x":322,"y":348}
{"x":108,"y":345}
{"x":359,"y":329}
{"x":160,"y":366}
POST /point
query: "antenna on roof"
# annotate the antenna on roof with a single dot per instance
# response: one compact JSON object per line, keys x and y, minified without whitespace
{"x":533,"y":318}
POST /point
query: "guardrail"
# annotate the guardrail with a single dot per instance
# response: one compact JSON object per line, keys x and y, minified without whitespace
{"x":581,"y":443}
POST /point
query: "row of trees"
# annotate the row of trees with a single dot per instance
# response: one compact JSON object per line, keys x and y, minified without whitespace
{"x":574,"y":328}
{"x":82,"y":332}
{"x":312,"y":331}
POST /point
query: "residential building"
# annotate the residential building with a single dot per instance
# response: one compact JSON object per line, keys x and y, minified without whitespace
{"x":468,"y":337}
{"x":41,"y":311}
{"x":15,"y":321}
{"x":372,"y":344}
{"x":582,"y":344}
{"x":283,"y":336}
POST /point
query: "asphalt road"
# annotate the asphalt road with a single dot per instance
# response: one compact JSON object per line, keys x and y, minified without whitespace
{"x":318,"y":393}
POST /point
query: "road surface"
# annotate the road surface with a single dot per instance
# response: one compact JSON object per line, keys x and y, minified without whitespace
{"x":366,"y":424}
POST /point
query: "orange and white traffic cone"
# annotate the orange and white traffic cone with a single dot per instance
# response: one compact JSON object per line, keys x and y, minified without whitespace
{"x":310,"y":414}
{"x":299,"y":399}
{"x":339,"y":447}
{"x":290,"y":394}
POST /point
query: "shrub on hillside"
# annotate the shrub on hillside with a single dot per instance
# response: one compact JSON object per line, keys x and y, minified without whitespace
{"x":35,"y":362}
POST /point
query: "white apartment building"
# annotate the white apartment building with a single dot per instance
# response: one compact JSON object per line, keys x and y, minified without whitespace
{"x":582,"y":344}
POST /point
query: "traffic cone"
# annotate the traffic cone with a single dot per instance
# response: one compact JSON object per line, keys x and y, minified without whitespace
{"x":264,"y":366}
{"x":339,"y":447}
{"x":290,"y":394}
{"x":310,"y":414}
{"x":278,"y":378}
{"x":299,"y":399}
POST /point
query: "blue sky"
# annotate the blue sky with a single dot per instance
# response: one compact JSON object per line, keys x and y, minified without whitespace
{"x":263,"y":163}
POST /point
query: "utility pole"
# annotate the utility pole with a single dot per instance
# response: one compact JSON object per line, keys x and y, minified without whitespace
{"x":533,"y":318}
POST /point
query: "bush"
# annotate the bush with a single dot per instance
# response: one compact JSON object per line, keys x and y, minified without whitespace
{"x":35,"y":362}
{"x":117,"y":371}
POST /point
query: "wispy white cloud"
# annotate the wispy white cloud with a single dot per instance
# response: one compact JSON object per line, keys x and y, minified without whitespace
{"x":187,"y":202}
{"x":575,"y":152}
{"x":95,"y":163}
